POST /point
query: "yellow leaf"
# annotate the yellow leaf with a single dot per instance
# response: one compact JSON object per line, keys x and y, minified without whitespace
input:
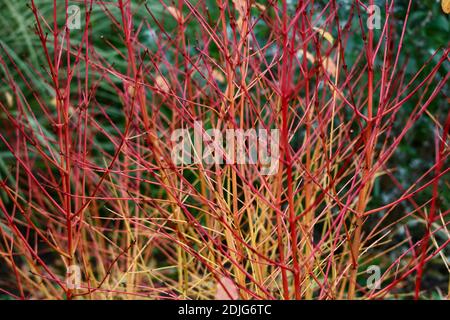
{"x":9,"y":99}
{"x":240,"y":22}
{"x":241,"y":6}
{"x":445,"y":4}
{"x":131,"y":91}
{"x":325,"y":34}
{"x":218,"y":75}
{"x":161,"y":84}
{"x":259,"y":6}
{"x":175,"y":13}
{"x":309,"y":56}
{"x":329,"y":65}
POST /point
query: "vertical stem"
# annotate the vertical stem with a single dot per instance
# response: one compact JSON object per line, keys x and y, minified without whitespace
{"x":308,"y":183}
{"x":285,"y":85}
{"x":362,"y":199}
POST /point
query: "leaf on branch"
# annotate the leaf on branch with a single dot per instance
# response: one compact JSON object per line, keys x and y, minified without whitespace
{"x":325,"y":34}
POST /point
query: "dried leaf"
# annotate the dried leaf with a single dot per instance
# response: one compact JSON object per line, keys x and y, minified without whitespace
{"x":240,"y":22}
{"x":218,"y":75}
{"x":161,"y":84}
{"x":309,"y":56}
{"x":131,"y":91}
{"x":325,"y":34}
{"x":175,"y":13}
{"x":259,"y":6}
{"x":329,"y":65}
{"x":241,"y":6}
{"x":226,"y":290}
{"x":445,"y":4}
{"x":9,"y":99}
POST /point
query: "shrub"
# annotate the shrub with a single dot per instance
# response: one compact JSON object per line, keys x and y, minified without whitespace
{"x":89,"y":180}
